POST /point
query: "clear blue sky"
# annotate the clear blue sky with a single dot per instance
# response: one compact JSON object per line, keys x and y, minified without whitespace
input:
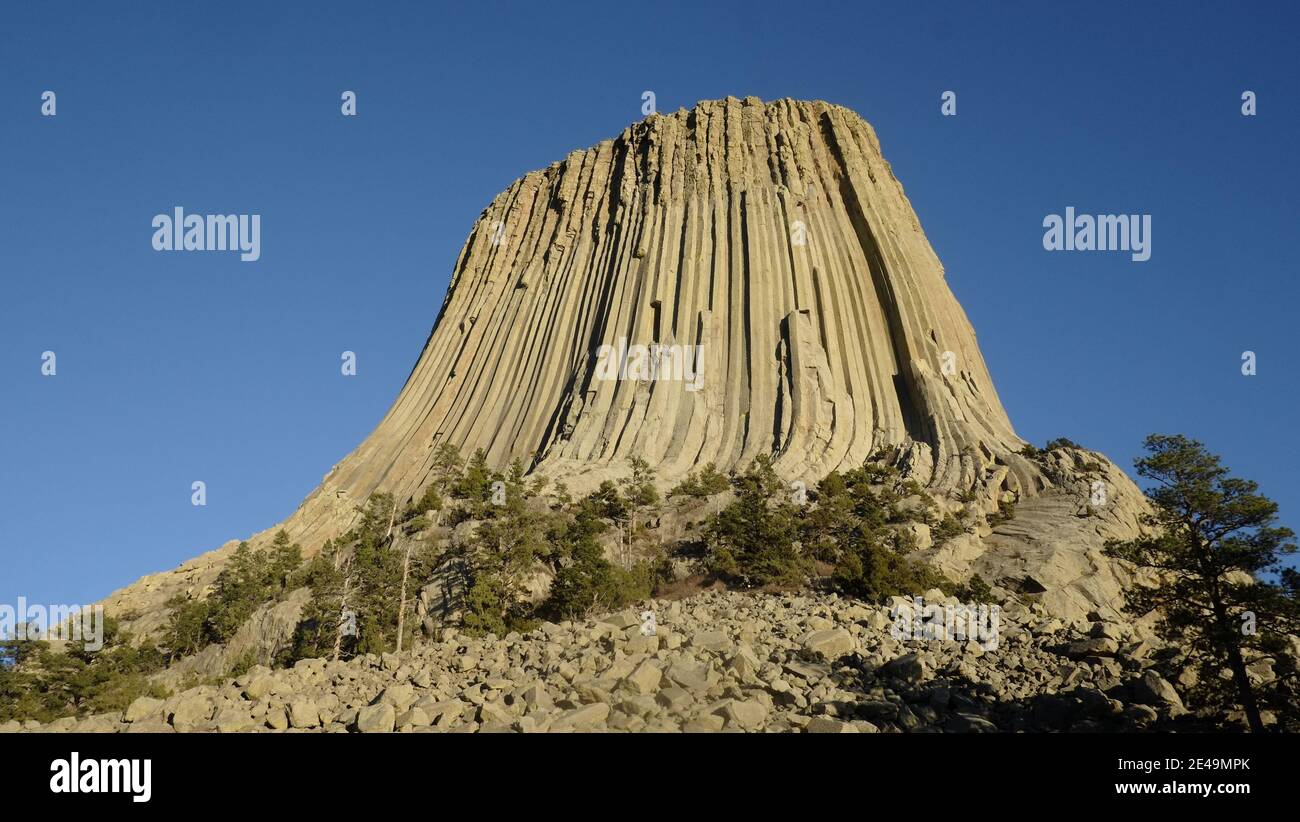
{"x":181,"y":367}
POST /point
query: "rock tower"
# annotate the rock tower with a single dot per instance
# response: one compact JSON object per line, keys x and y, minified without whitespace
{"x":765,"y":257}
{"x":742,"y":278}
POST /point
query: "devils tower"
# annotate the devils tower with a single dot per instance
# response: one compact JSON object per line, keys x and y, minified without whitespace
{"x":773,"y":245}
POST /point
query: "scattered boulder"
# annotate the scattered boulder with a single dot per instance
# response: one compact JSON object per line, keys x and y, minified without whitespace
{"x":400,"y":696}
{"x":1154,"y":690}
{"x":303,"y":713}
{"x":832,"y":644}
{"x":908,"y":668}
{"x":260,"y":686}
{"x":584,"y":717}
{"x":747,"y":714}
{"x":828,"y":725}
{"x":143,"y":707}
{"x":277,"y":718}
{"x":1096,"y":646}
{"x":379,"y":718}
{"x":710,"y":640}
{"x":232,"y":718}
{"x":190,"y":710}
{"x":645,"y":678}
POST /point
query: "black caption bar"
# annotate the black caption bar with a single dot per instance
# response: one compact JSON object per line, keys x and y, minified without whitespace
{"x":145,"y":773}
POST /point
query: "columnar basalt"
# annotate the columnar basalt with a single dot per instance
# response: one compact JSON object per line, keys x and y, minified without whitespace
{"x":774,"y":240}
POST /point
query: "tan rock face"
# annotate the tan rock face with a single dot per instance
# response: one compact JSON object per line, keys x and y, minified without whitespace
{"x":768,"y":246}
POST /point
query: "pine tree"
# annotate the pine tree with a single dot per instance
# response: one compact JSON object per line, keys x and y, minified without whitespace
{"x":321,"y":626}
{"x":505,"y":550}
{"x":249,"y":580}
{"x":187,"y":626}
{"x":703,"y":483}
{"x":285,"y":559}
{"x":377,"y":570}
{"x":641,"y":496}
{"x":753,"y":541}
{"x":607,"y":502}
{"x":446,"y":476}
{"x":354,"y":582}
{"x":585,"y":581}
{"x":447,"y":468}
{"x":475,"y":485}
{"x":1214,"y":546}
{"x":38,"y":682}
{"x":239,"y":589}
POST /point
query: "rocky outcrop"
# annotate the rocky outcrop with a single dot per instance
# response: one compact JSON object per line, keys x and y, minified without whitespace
{"x":265,"y":634}
{"x":771,"y":252}
{"x":1051,"y":549}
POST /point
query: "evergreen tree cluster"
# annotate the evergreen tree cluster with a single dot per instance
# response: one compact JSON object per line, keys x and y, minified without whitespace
{"x":365,"y":583}
{"x":355,"y":581}
{"x":38,"y":682}
{"x":767,"y":536}
{"x":249,"y":580}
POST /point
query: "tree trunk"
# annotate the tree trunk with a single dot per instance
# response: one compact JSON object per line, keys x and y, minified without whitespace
{"x":1237,"y":663}
{"x":343,"y":609}
{"x":1244,"y":691}
{"x":1228,"y":633}
{"x":392,"y":515}
{"x":401,"y":608}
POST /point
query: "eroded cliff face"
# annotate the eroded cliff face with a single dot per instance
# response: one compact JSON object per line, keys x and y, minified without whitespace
{"x":767,"y":259}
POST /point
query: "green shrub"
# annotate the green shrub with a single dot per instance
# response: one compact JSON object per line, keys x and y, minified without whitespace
{"x":430,"y":500}
{"x":975,"y":591}
{"x":486,"y":606}
{"x":703,"y":483}
{"x":359,"y":573}
{"x":592,"y":584}
{"x":318,"y":624}
{"x":474,"y":488}
{"x":948,"y":528}
{"x":1062,"y":442}
{"x":502,"y":554}
{"x":1005,"y":513}
{"x":879,"y":473}
{"x":875,"y":572}
{"x":242,"y":664}
{"x":187,"y":626}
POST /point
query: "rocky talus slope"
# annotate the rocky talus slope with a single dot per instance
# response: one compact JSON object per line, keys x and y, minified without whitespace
{"x":717,"y":661}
